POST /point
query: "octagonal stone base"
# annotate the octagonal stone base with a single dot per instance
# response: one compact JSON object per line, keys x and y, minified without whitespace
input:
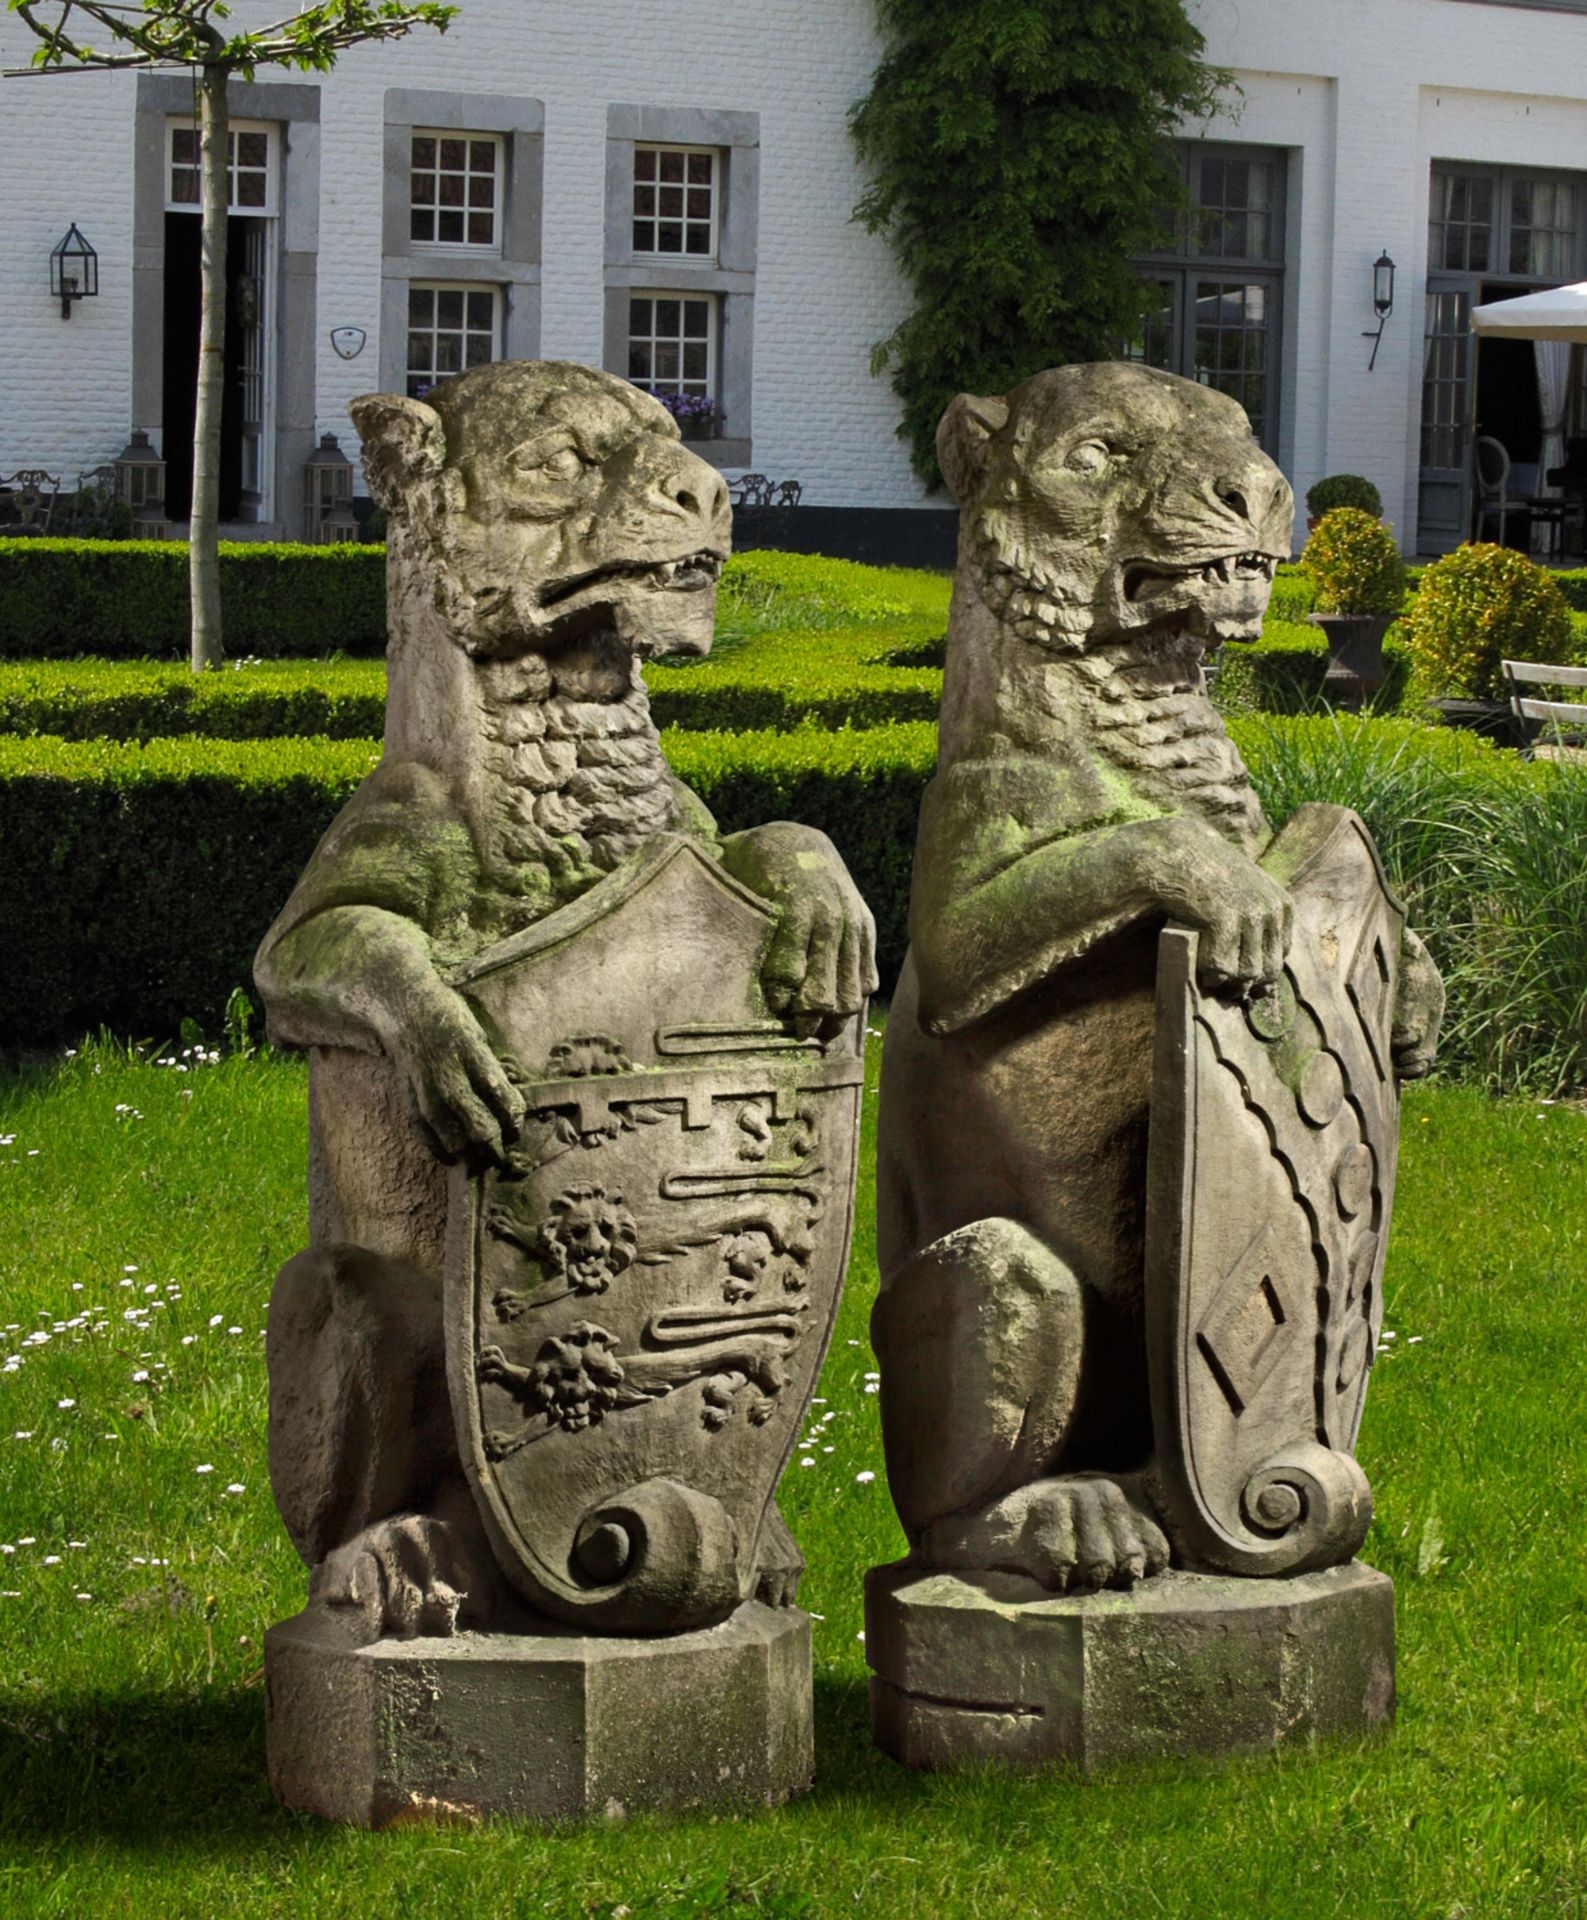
{"x":540,"y":1726}
{"x":971,"y":1668}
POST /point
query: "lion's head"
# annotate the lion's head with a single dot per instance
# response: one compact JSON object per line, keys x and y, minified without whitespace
{"x":589,"y":1238}
{"x":1106,"y":500}
{"x":539,"y":502}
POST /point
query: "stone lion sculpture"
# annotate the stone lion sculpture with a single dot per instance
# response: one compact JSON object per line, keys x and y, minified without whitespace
{"x":1117,"y":523}
{"x":548,"y":533}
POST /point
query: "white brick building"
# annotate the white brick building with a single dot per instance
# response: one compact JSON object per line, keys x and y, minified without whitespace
{"x":1450,"y":134}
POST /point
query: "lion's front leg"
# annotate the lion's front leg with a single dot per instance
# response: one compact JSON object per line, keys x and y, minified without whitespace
{"x":820,"y":967}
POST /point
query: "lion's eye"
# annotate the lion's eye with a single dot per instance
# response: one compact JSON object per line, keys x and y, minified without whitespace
{"x":565,"y":463}
{"x":1091,"y":456}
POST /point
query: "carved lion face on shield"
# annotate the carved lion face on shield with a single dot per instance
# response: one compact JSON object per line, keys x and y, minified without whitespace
{"x":589,"y":1237}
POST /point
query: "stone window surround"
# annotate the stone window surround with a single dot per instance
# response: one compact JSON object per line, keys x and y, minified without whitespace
{"x":514,"y":267}
{"x":296,"y":109}
{"x":730,"y":277}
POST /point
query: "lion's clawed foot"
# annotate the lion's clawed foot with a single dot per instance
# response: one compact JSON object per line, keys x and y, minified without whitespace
{"x":1072,"y":1533}
{"x":781,"y":1563}
{"x":402,"y":1578}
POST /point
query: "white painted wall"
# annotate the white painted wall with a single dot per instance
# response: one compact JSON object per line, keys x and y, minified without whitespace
{"x":1407,"y":82}
{"x":1364,"y":94}
{"x":824,"y":290}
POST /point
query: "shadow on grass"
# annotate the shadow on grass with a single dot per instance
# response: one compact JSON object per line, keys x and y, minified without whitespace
{"x":140,"y":1770}
{"x":136,"y":1769}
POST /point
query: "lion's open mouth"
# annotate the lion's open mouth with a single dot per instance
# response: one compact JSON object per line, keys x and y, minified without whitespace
{"x":691,"y":574}
{"x":1145,"y":579}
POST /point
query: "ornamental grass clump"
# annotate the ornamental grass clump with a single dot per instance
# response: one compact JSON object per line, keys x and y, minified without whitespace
{"x":1354,"y":564}
{"x":1477,"y":607}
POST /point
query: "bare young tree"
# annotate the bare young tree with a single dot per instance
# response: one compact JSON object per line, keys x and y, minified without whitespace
{"x":188,"y":33}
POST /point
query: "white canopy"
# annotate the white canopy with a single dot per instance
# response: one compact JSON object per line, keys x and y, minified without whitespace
{"x":1560,"y":313}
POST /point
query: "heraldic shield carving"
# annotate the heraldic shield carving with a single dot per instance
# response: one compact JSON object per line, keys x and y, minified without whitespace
{"x":638,"y":1303}
{"x":1274,"y":1129}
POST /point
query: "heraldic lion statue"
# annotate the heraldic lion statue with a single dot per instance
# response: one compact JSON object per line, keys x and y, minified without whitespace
{"x":549,"y":532}
{"x":1118,"y":524}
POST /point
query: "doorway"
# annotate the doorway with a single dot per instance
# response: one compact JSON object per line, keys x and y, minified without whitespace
{"x":1508,"y":407}
{"x":245,"y":478}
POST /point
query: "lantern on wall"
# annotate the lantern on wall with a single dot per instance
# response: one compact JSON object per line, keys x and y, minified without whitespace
{"x":328,"y":495}
{"x":1382,"y":302}
{"x":140,"y":482}
{"x":74,"y":270}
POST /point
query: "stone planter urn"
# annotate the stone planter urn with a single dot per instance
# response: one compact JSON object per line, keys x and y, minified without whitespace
{"x":1355,"y":655}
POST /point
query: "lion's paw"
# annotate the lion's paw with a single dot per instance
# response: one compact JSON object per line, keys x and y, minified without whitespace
{"x":781,"y":1563}
{"x":403,"y":1578}
{"x":1072,"y":1533}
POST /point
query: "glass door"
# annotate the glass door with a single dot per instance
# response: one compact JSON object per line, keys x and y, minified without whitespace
{"x":1444,"y":496}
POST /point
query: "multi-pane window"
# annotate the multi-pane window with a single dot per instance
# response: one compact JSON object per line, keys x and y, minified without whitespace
{"x":672,"y":342}
{"x":455,"y":189}
{"x":1493,"y":221}
{"x":1218,"y":279}
{"x":675,"y":201}
{"x":250,"y":173}
{"x":1460,"y":222}
{"x":1231,"y":332}
{"x":449,"y":330}
{"x":1234,"y":218}
{"x":1446,"y":377}
{"x":1543,"y":222}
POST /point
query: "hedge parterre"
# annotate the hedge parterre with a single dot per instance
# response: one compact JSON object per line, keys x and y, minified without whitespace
{"x":140,"y":877}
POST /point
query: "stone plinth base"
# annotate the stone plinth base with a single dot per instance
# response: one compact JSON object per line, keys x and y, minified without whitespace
{"x":541,"y":1726}
{"x":971,"y":1668}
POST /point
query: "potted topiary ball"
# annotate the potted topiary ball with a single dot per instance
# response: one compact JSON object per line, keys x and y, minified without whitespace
{"x":1359,"y":576}
{"x":1342,"y":490}
{"x":1476,"y":608}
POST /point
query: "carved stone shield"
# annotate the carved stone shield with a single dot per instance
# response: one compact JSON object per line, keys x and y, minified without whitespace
{"x":638,"y":1304}
{"x":1274,"y":1130}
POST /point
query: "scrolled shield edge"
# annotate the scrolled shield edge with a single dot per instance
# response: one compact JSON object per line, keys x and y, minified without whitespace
{"x":1305,"y":1502}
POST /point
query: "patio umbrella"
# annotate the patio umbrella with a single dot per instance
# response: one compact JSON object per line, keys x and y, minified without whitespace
{"x":1560,"y":313}
{"x":1557,"y":314}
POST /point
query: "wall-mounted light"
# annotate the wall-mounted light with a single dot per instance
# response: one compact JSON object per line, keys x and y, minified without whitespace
{"x":1382,"y":302}
{"x":74,"y":271}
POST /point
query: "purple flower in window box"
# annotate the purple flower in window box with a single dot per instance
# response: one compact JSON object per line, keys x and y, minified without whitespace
{"x":695,"y":413}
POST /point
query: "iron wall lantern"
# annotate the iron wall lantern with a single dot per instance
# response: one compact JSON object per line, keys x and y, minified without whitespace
{"x":74,"y":270}
{"x":1382,"y":302}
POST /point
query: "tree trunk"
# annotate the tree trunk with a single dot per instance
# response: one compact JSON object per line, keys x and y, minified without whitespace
{"x":203,"y":553}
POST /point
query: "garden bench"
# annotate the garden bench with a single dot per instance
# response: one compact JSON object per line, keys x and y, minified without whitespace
{"x":25,"y":505}
{"x":1551,"y":729}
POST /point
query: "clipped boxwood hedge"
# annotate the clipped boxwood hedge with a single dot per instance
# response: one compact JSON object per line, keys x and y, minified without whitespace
{"x":128,"y":599}
{"x":836,"y":677}
{"x":145,"y":699}
{"x":140,"y":878}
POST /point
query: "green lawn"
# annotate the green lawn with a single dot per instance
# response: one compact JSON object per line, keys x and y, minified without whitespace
{"x":147,"y":1209}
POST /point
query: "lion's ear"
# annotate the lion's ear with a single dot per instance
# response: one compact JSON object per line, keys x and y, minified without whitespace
{"x":962,"y":435}
{"x":404,"y":445}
